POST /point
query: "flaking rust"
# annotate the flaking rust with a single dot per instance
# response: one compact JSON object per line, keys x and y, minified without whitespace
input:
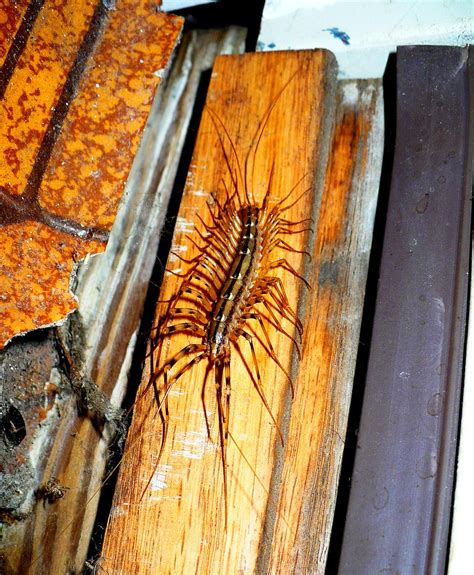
{"x":68,"y":94}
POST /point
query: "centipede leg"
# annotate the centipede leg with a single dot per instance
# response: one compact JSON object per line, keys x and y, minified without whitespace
{"x":258,"y":381}
{"x":203,"y":399}
{"x":185,"y":326}
{"x":207,"y":262}
{"x":163,"y":402}
{"x":198,"y":260}
{"x":196,"y":313}
{"x":284,"y":209}
{"x":281,"y":299}
{"x":271,"y":350}
{"x":221,"y":372}
{"x":223,"y":254}
{"x":289,"y":223}
{"x":191,"y":290}
{"x":286,"y":246}
{"x":282,"y":307}
{"x":198,"y":277}
{"x":289,"y":232}
{"x":284,"y":264}
{"x":278,"y":208}
{"x":191,"y":348}
{"x":273,"y":321}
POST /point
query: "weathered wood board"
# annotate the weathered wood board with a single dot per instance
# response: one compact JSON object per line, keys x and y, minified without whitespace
{"x":280,"y":500}
{"x":306,"y":496}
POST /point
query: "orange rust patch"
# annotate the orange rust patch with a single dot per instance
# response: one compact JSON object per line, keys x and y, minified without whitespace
{"x":77,"y":81}
{"x":342,"y":161}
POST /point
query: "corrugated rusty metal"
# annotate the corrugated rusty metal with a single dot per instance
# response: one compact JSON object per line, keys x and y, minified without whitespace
{"x":400,"y":502}
{"x":78,"y":79}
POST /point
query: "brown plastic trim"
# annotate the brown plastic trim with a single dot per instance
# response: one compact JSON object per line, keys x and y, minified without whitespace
{"x":399,"y":509}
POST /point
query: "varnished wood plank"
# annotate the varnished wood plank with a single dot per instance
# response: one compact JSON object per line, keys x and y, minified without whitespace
{"x":178,"y":525}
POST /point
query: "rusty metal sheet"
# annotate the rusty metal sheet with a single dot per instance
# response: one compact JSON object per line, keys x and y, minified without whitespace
{"x":399,"y":510}
{"x":77,"y":81}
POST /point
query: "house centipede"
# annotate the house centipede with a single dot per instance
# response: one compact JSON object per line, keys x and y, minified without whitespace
{"x":230,"y":283}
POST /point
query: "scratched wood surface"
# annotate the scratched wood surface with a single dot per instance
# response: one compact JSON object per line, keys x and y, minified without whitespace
{"x":178,"y":524}
{"x":77,"y":79}
{"x":54,"y":537}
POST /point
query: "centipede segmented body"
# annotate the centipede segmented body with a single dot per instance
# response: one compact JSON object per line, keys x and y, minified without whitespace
{"x":231,"y":283}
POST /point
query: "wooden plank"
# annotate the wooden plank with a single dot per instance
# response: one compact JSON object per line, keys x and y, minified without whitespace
{"x":55,"y":538}
{"x":401,"y":496}
{"x":305,"y":488}
{"x":178,"y":526}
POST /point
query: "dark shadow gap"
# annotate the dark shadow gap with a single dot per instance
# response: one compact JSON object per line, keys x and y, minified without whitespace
{"x":247,"y":13}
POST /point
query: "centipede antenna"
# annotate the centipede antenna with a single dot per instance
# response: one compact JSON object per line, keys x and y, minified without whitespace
{"x":214,"y":117}
{"x":261,"y":127}
{"x":267,"y":193}
{"x":283,"y":200}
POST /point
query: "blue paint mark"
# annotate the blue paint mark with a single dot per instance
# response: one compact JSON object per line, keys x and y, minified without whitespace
{"x":343,"y":36}
{"x":261,"y":46}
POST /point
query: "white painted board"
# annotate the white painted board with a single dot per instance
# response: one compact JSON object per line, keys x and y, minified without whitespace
{"x":362,"y":34}
{"x":173,"y":5}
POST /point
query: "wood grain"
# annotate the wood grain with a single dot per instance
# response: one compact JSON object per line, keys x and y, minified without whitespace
{"x":178,"y":525}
